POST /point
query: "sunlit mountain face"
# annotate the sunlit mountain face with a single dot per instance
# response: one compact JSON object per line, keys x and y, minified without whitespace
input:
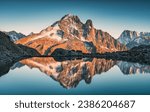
{"x":79,"y":53}
{"x":71,"y":34}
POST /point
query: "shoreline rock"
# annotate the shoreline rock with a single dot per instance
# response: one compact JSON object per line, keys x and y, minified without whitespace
{"x":11,"y":53}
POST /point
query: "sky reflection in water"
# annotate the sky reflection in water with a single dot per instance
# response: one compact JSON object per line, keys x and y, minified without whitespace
{"x":97,"y":76}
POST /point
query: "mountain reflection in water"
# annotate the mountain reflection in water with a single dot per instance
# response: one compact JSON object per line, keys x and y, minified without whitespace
{"x":70,"y":72}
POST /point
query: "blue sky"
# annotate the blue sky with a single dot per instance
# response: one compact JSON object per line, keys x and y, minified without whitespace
{"x":112,"y":16}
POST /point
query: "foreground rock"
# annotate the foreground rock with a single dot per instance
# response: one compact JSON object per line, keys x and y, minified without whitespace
{"x":10,"y":52}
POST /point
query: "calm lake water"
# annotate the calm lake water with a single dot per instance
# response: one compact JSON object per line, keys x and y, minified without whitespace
{"x":37,"y":76}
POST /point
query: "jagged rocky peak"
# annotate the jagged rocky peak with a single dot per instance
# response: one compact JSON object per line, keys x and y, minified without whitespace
{"x":70,"y":25}
{"x":70,"y":21}
{"x":89,"y":23}
{"x":71,"y":34}
{"x":70,"y":17}
{"x":127,"y":36}
{"x":132,"y":38}
{"x":74,"y":19}
{"x":130,"y":34}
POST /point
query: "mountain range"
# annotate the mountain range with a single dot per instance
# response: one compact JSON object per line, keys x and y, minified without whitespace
{"x":71,"y":34}
{"x":129,"y":38}
{"x":133,"y":39}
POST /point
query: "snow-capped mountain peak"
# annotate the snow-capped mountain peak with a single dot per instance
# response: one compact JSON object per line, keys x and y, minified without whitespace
{"x":127,"y":36}
{"x":133,"y":38}
{"x":71,"y":34}
{"x":70,"y":16}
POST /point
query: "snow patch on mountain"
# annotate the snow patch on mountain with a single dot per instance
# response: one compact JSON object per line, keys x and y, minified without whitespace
{"x":128,"y":36}
{"x":14,"y":36}
{"x":133,"y":38}
{"x":54,"y":33}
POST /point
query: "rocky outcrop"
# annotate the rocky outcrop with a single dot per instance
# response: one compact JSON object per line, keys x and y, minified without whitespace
{"x":71,"y":34}
{"x":140,"y":54}
{"x":10,"y":52}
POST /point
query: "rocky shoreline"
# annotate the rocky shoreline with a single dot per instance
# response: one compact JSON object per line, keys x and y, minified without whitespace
{"x":140,"y":54}
{"x":11,"y":53}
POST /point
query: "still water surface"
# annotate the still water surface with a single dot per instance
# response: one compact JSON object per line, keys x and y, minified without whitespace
{"x":38,"y":76}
